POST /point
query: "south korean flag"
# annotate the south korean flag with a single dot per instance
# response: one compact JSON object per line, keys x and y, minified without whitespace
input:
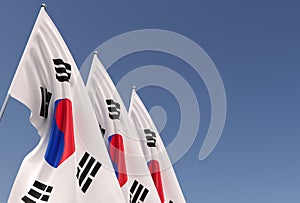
{"x":70,"y":163}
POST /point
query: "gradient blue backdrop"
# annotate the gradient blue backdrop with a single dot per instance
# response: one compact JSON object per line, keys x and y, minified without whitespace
{"x":256,"y":48}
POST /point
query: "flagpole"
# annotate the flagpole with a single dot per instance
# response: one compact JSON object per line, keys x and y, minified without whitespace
{"x":4,"y":106}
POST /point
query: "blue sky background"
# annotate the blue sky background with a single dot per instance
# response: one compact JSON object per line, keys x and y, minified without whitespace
{"x":256,"y":48}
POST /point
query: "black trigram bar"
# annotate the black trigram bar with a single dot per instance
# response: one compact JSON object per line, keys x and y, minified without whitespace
{"x":87,"y":169}
{"x":113,"y":108}
{"x":39,"y":191}
{"x":151,"y":138}
{"x":138,"y":192}
{"x":63,"y":70}
{"x":46,"y":97}
{"x":102,"y":130}
{"x":171,"y":201}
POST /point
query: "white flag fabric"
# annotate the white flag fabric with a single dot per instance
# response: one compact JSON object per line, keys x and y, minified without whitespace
{"x":155,"y":153}
{"x":70,"y":164}
{"x":123,"y":142}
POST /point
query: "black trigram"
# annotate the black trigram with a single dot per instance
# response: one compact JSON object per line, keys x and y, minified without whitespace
{"x":63,"y":70}
{"x":102,"y":130}
{"x":151,"y":138}
{"x":87,"y":169}
{"x":113,"y":108}
{"x":138,"y":192}
{"x":46,"y":97}
{"x":171,"y":201}
{"x":39,"y":191}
